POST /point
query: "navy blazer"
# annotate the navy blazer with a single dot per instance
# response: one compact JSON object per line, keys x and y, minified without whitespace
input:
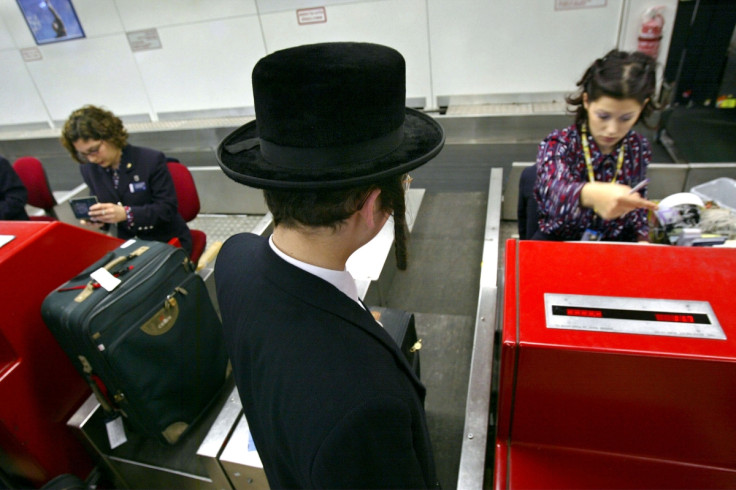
{"x":147,"y":187}
{"x":13,"y":194}
{"x":330,"y":399}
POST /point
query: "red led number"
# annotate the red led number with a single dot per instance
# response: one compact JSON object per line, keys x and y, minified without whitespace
{"x":586,"y":313}
{"x":669,"y":317}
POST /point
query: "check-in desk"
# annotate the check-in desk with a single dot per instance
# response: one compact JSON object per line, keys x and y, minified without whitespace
{"x":618,"y":367}
{"x":39,"y":387}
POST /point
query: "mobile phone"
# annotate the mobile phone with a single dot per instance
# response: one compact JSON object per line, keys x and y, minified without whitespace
{"x":80,"y":206}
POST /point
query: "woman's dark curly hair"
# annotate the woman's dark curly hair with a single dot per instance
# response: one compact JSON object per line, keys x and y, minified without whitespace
{"x":620,"y":75}
{"x":329,"y":208}
{"x":92,"y":123}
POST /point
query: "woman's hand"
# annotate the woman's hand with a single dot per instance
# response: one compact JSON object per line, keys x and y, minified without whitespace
{"x":107,"y":212}
{"x":90,"y":223}
{"x":610,"y":201}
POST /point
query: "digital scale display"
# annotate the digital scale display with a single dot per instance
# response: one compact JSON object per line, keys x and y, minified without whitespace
{"x":674,"y":318}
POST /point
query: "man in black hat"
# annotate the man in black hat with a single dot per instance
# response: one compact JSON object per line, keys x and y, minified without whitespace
{"x":330,"y":399}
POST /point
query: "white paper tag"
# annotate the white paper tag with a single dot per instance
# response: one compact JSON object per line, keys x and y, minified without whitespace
{"x":116,"y":432}
{"x":128,"y":243}
{"x":106,"y":280}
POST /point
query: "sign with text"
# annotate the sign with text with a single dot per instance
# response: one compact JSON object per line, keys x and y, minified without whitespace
{"x":317,"y":15}
{"x":144,"y":40}
{"x":579,"y":4}
{"x":31,"y":54}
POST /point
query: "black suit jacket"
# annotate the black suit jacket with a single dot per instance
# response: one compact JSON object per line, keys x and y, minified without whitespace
{"x":330,"y":400}
{"x":13,"y":194}
{"x":147,"y":187}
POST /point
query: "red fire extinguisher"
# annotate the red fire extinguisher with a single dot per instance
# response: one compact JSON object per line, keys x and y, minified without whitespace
{"x":650,"y":34}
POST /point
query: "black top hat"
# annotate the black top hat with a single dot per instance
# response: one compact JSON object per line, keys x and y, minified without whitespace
{"x":328,"y":116}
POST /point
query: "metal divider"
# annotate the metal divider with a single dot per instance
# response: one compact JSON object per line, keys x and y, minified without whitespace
{"x":477,"y":409}
{"x":699,"y":173}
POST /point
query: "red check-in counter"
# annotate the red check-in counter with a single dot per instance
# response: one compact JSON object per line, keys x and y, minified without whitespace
{"x":618,"y":367}
{"x":39,"y":387}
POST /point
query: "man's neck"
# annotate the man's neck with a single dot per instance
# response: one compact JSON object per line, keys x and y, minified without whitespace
{"x":331,"y":248}
{"x":322,"y":247}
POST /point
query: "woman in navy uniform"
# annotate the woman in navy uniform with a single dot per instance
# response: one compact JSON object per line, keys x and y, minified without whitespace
{"x":132,"y":184}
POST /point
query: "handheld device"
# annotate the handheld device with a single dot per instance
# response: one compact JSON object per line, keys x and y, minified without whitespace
{"x":80,"y":206}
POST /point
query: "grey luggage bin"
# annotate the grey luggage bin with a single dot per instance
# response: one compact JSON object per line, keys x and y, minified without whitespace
{"x":721,"y":191}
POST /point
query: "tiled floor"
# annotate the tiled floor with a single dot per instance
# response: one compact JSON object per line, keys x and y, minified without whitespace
{"x":219,"y":227}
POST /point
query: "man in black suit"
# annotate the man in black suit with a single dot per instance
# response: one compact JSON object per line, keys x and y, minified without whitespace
{"x":13,"y":194}
{"x":330,"y":399}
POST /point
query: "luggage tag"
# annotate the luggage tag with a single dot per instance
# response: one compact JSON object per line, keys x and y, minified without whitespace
{"x":116,"y":431}
{"x":105,"y":279}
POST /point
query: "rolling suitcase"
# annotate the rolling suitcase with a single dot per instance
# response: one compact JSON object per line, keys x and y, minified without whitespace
{"x":400,"y":325}
{"x":151,"y":348}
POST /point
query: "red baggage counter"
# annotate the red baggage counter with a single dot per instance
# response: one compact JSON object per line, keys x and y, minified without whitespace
{"x":39,"y":387}
{"x":618,"y":367}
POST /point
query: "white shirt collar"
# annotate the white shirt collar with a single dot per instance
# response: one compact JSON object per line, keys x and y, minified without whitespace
{"x":342,"y":280}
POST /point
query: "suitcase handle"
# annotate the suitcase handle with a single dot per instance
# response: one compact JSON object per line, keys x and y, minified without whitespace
{"x":87,"y":291}
{"x":124,"y":258}
{"x":92,"y":382}
{"x":119,"y":260}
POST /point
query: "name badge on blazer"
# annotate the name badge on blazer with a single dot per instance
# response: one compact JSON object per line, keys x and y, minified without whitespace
{"x":137,"y":186}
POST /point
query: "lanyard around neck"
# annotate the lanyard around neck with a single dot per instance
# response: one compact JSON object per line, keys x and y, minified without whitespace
{"x":589,"y":165}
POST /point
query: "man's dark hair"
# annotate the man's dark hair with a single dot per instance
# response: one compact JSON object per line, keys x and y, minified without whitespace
{"x":329,"y":208}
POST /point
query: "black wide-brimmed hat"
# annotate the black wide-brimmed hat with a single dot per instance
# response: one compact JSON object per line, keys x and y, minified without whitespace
{"x":329,"y":116}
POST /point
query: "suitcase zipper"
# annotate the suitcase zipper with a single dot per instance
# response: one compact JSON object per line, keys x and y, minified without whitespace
{"x":143,"y":274}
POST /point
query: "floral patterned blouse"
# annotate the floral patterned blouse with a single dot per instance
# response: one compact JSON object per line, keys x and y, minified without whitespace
{"x":561,"y":174}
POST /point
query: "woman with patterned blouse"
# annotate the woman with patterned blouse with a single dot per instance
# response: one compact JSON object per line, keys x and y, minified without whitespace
{"x":586,"y":172}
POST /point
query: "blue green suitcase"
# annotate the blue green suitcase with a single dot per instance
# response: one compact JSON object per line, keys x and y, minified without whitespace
{"x":151,"y":348}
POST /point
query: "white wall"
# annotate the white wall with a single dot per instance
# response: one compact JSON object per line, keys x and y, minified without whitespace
{"x":453,"y":48}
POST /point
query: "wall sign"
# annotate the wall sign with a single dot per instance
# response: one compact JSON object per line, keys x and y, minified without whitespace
{"x":31,"y":54}
{"x":51,"y":21}
{"x":144,"y":40}
{"x":317,"y":15}
{"x":578,"y":4}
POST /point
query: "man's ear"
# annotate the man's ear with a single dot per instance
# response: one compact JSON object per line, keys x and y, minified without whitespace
{"x":368,"y":211}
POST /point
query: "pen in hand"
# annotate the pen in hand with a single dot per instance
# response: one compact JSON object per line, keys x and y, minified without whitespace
{"x":638,"y":186}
